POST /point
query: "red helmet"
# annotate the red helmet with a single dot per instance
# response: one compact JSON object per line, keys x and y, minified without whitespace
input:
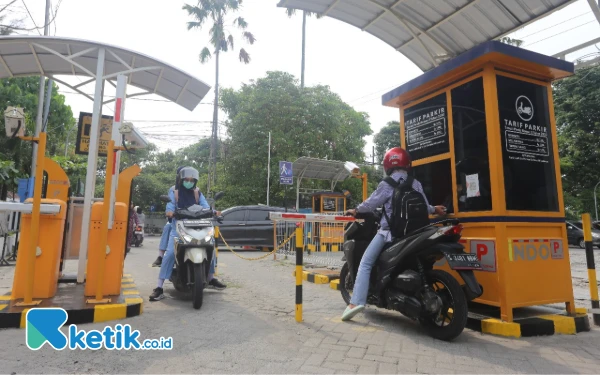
{"x":396,"y":157}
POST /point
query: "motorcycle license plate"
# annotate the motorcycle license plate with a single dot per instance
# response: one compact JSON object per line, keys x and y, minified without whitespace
{"x":463,"y":261}
{"x":196,"y":223}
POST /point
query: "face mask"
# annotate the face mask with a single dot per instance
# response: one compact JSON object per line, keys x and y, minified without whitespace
{"x":188,"y":184}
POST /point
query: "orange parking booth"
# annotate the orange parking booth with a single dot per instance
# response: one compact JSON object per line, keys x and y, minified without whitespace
{"x":47,"y":260}
{"x":482,"y":135}
{"x":115,"y":257}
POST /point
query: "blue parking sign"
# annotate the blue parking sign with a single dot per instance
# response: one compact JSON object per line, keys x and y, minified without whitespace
{"x":286,"y":176}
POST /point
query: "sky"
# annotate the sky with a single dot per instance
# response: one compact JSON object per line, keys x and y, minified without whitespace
{"x":356,"y":65}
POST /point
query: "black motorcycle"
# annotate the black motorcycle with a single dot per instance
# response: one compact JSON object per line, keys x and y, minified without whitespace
{"x":403,"y":278}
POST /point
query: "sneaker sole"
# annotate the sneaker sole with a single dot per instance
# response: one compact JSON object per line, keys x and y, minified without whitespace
{"x":153,"y":299}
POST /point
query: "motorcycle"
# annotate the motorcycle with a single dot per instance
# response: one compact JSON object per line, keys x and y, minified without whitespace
{"x":194,"y":249}
{"x":138,"y":236}
{"x":403,"y":278}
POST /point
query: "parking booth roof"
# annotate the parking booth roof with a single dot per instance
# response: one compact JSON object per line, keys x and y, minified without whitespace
{"x":52,"y":56}
{"x":319,"y":169}
{"x":429,"y":32}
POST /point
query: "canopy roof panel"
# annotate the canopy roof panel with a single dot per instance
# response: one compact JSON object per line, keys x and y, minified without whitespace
{"x":50,"y":56}
{"x":319,"y":169}
{"x":429,"y":32}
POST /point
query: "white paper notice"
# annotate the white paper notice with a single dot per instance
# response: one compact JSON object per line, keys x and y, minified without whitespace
{"x":473,"y":185}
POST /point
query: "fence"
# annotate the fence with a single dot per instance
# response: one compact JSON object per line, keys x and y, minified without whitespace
{"x":322,"y":236}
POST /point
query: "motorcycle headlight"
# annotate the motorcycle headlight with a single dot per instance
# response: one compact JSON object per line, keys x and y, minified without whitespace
{"x":209,"y":235}
{"x":183,"y":234}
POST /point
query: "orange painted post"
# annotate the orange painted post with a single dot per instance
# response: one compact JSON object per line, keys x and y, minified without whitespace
{"x":364,"y":186}
{"x":35,"y":220}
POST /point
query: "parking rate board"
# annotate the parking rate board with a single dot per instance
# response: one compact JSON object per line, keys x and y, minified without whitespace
{"x":426,"y":128}
{"x":286,"y":176}
{"x":84,"y":126}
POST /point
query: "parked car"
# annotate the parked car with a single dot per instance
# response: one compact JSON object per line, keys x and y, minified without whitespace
{"x":248,"y":226}
{"x":596,"y":225}
{"x":575,"y":234}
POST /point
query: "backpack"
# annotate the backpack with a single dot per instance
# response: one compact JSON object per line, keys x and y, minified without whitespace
{"x":409,"y":209}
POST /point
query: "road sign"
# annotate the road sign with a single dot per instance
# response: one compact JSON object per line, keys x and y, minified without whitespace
{"x":152,"y":208}
{"x":286,"y":176}
{"x":83,"y":134}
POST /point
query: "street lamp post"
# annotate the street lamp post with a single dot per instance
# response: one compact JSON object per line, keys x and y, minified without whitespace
{"x":595,"y":203}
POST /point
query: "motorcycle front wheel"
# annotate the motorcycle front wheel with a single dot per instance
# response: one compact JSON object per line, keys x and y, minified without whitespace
{"x":449,"y":323}
{"x":198,"y":277}
{"x":346,"y":283}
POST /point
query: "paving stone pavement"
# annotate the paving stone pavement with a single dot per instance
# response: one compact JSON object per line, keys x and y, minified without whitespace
{"x":250,"y":328}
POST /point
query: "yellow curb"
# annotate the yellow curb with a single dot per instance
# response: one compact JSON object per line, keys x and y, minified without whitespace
{"x":127,"y":285}
{"x":581,"y":310}
{"x":103,"y":313}
{"x":5,"y":298}
{"x":498,"y":327}
{"x":127,"y":280}
{"x":2,"y":307}
{"x":562,"y":324}
{"x":335,"y":284}
{"x":130,"y":293}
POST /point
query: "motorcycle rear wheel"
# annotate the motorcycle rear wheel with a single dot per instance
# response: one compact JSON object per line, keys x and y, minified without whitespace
{"x":346,"y":283}
{"x":453,"y":298}
{"x":198,"y":277}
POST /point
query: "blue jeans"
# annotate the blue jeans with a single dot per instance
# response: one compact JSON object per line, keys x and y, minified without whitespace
{"x":361,"y":284}
{"x":166,"y":267}
{"x":164,"y":238}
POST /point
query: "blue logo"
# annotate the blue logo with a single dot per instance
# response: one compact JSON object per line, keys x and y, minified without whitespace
{"x":44,"y":326}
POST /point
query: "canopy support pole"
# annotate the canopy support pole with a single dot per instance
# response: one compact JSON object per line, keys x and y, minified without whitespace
{"x":90,"y":179}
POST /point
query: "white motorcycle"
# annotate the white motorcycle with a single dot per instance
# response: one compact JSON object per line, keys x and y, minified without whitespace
{"x":194,"y":249}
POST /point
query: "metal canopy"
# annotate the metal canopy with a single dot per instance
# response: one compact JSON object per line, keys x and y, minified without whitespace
{"x":318,"y":169}
{"x":51,"y":56}
{"x":429,"y":32}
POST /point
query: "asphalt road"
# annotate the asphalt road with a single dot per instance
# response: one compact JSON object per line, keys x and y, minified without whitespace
{"x":250,"y":328}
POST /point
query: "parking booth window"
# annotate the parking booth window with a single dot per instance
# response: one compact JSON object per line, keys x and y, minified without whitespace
{"x":527,"y":152}
{"x":473,"y":186}
{"x":426,"y":135}
{"x":437,"y":182}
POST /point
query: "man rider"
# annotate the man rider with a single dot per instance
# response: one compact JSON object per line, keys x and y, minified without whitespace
{"x":396,"y":163}
{"x":186,"y":197}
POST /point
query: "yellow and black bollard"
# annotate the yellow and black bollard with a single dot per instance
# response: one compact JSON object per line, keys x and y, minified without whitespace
{"x":591,"y":265}
{"x":299,"y":261}
{"x":216,"y":254}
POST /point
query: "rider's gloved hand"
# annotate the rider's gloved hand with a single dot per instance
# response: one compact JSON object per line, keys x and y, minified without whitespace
{"x":440,"y":210}
{"x":351,"y":212}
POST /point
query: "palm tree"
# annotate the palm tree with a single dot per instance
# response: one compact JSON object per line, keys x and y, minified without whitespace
{"x":221,"y":40}
{"x":290,"y":12}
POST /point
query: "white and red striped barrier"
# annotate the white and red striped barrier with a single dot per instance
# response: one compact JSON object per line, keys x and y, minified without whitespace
{"x":281,"y":216}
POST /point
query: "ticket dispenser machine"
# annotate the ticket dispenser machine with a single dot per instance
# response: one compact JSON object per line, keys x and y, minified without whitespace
{"x":482,"y":135}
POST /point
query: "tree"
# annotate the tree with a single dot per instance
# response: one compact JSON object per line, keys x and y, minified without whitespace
{"x":290,"y":12}
{"x":312,"y":122}
{"x":221,"y":40}
{"x":388,"y":137}
{"x":23,"y":92}
{"x":577,"y":109}
{"x":511,"y":41}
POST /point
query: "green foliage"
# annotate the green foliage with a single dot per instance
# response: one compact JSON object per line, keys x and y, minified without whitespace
{"x":388,"y":137}
{"x":312,"y":122}
{"x":8,"y":173}
{"x":577,"y":109}
{"x":511,"y":41}
{"x":221,"y":39}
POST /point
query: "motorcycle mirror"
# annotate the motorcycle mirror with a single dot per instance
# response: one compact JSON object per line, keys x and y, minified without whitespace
{"x":165,"y":198}
{"x":219,"y":195}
